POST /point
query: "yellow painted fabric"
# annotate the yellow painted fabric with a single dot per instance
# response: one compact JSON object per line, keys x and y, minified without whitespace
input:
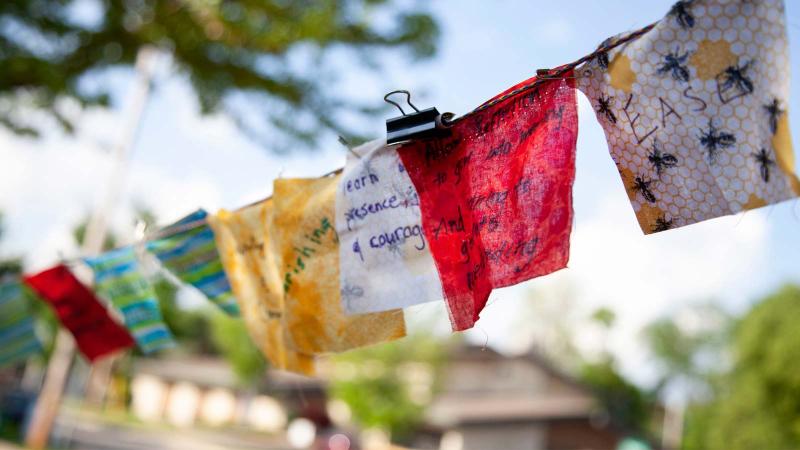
{"x":695,"y":112}
{"x":307,"y":247}
{"x":242,"y":239}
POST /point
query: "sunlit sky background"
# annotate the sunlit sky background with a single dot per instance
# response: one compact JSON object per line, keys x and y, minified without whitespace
{"x":182,"y":161}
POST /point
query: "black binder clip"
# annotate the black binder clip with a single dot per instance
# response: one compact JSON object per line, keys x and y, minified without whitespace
{"x":423,"y":124}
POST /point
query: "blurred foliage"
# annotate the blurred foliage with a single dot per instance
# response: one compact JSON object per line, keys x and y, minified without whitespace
{"x":693,"y":356}
{"x":628,"y":406}
{"x":79,"y":235}
{"x":49,"y":50}
{"x":191,"y":328}
{"x":605,"y":317}
{"x":232,"y":341}
{"x":747,"y":369}
{"x":625,"y":403}
{"x":758,"y":403}
{"x":207,"y":331}
{"x":389,"y":386}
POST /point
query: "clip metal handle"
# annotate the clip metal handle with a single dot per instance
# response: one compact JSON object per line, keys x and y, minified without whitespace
{"x":397,"y":105}
{"x":420,"y":124}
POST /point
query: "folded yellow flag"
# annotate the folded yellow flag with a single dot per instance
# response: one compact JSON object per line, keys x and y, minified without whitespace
{"x":242,"y":239}
{"x":307,"y":249}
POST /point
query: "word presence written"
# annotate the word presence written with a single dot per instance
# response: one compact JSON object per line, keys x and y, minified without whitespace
{"x":306,"y":249}
{"x":385,"y":260}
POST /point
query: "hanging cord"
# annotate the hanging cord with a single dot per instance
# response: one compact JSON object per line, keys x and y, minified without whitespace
{"x":176,"y":229}
{"x":557,"y":74}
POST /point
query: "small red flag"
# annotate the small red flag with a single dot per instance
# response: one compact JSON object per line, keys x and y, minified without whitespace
{"x":496,"y":194}
{"x":95,"y":332}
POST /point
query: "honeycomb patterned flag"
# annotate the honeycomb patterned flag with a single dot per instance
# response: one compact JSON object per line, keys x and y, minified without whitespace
{"x":384,"y":258}
{"x":18,"y":339}
{"x":117,"y":277}
{"x":191,"y":255}
{"x":306,"y":248}
{"x":96,"y":333}
{"x":694,"y":112}
{"x":243,"y":242}
{"x":496,"y":195}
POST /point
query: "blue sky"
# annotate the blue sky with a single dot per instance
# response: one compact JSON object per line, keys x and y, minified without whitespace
{"x":182,"y":161}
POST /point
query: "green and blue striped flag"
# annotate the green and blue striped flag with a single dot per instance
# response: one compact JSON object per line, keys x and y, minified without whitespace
{"x":18,"y":339}
{"x":191,"y":255}
{"x":118,"y":279}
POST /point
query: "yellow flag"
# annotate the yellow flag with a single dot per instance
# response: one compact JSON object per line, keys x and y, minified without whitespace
{"x":242,"y":239}
{"x":307,"y":249}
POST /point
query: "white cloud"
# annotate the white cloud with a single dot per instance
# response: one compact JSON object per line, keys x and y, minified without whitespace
{"x":47,"y":186}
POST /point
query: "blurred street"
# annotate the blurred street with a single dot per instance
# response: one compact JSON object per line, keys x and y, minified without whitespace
{"x":90,"y":434}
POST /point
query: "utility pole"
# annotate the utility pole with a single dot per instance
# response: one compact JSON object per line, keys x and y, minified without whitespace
{"x":672,"y":432}
{"x":49,"y":400}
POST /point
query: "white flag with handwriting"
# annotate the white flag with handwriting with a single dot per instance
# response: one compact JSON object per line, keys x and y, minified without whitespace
{"x":385,"y":260}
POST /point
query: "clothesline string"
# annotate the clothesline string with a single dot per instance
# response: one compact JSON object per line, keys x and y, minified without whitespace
{"x":173,"y":230}
{"x":558,"y":73}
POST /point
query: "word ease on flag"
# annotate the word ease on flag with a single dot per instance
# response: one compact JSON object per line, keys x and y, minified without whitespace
{"x":96,"y":333}
{"x":384,"y":258}
{"x":243,"y":240}
{"x":496,"y":195}
{"x":695,"y":112}
{"x":118,"y":278}
{"x":191,"y":255}
{"x":18,"y":340}
{"x":306,"y":249}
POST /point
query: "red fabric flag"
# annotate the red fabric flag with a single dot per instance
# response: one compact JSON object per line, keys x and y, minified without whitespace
{"x":96,"y":333}
{"x":496,"y":194}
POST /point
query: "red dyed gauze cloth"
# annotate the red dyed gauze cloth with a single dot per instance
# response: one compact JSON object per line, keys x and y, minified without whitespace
{"x":96,"y":333}
{"x":496,"y":194}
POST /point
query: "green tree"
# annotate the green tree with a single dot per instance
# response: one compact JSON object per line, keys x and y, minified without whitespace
{"x":232,"y":341}
{"x":605,"y":317}
{"x":79,"y":235}
{"x":693,"y":356}
{"x":228,"y":50}
{"x":190,"y":327}
{"x":388,"y":386}
{"x":760,"y":407}
{"x":625,"y":403}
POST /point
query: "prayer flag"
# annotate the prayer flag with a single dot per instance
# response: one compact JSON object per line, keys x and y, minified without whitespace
{"x":306,"y":248}
{"x":18,"y":339}
{"x":496,"y":194}
{"x":191,"y":255}
{"x":384,"y":258}
{"x":243,"y":242}
{"x":695,"y":112}
{"x":117,"y":277}
{"x":96,"y":333}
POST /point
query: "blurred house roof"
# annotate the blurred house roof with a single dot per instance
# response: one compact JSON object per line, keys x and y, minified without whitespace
{"x":482,"y":386}
{"x":216,"y":372}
